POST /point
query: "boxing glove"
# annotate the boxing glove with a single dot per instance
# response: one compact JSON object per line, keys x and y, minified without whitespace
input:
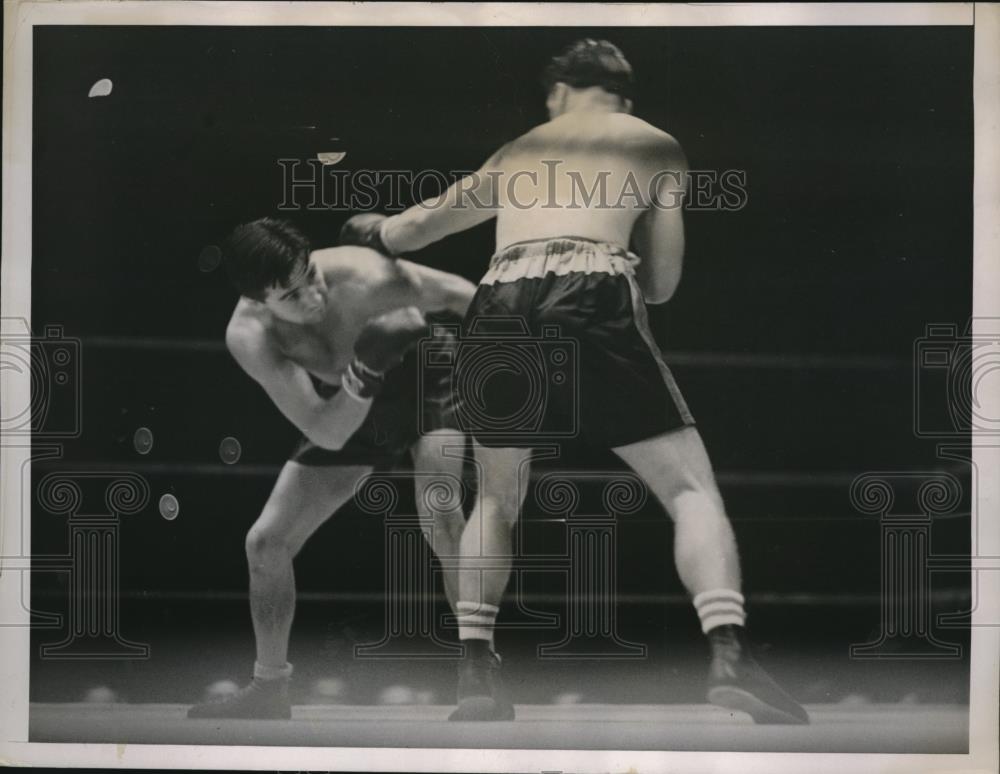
{"x":365,"y":230}
{"x":380,"y":346}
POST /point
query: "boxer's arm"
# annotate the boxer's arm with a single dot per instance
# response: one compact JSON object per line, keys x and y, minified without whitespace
{"x":436,"y":291}
{"x":469,"y":201}
{"x":327,"y":423}
{"x":658,"y":234}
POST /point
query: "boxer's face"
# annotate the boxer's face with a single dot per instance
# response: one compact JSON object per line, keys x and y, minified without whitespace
{"x":302,"y":299}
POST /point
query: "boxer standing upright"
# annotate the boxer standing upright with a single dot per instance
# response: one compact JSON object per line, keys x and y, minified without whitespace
{"x":569,"y":198}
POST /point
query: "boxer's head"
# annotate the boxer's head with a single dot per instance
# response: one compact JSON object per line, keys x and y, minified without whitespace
{"x":269,"y":261}
{"x":585,"y":66}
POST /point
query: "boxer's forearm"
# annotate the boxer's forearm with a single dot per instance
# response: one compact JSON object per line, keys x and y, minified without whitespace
{"x":659,"y":238}
{"x":467,"y":203}
{"x":337,"y":420}
{"x":433,"y":290}
{"x":424,"y":224}
{"x":659,"y":232}
{"x":404,"y":233}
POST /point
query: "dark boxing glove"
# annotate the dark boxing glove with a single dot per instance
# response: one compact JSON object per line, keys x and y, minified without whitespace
{"x":380,"y":346}
{"x":365,"y":230}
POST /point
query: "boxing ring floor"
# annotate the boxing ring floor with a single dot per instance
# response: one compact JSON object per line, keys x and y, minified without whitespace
{"x":873,"y":728}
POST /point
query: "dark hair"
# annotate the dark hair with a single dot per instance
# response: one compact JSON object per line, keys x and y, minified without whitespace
{"x":590,"y":62}
{"x":264,"y":253}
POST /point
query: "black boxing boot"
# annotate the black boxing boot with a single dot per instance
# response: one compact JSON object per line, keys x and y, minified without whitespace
{"x":260,"y":700}
{"x":481,"y":694}
{"x":737,"y":682}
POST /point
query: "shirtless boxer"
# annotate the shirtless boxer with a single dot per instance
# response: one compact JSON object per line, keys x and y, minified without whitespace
{"x":329,"y":334}
{"x":564,"y":260}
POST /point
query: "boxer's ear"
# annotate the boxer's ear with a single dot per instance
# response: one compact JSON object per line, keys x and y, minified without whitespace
{"x":556,"y":101}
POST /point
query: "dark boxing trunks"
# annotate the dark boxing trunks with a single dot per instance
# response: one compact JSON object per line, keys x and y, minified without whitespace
{"x":413,"y":401}
{"x":557,"y":346}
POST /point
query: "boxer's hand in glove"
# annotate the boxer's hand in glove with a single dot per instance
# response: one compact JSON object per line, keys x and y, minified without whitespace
{"x":365,"y":230}
{"x":382,"y":344}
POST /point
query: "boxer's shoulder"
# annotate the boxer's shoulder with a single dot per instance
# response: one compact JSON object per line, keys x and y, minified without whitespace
{"x":640,"y":135}
{"x":361,"y":278}
{"x":355,"y":265}
{"x":347,"y":260}
{"x":622,"y":131}
{"x":249,"y":336}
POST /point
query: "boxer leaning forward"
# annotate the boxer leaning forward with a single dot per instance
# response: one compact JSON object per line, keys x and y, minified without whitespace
{"x":570,"y":197}
{"x":331,"y":336}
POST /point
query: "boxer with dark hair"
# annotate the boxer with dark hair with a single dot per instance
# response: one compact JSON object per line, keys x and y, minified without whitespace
{"x":564,"y":259}
{"x":330,"y":336}
{"x":589,"y":63}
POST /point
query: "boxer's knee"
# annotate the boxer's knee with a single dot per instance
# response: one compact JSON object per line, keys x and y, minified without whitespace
{"x":439,"y":494}
{"x":443,"y":533}
{"x":504,"y":488}
{"x":502,"y":509}
{"x":698,"y":505}
{"x":449,"y":526}
{"x":698,"y":488}
{"x":267,"y":549}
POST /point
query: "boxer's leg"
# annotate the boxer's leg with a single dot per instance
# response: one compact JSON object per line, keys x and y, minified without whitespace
{"x":302,"y":499}
{"x":486,"y":548}
{"x":487,"y":555}
{"x":439,"y":502}
{"x":675,"y":466}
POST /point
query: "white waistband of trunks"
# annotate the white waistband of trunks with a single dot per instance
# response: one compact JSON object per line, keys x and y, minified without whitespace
{"x":559,"y":256}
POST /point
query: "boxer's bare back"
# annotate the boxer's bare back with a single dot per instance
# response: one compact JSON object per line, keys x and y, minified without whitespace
{"x":594,"y":171}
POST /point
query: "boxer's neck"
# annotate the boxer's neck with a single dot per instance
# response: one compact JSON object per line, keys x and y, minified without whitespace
{"x":592,"y":101}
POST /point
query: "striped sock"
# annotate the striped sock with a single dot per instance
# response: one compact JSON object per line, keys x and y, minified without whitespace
{"x":476,"y":621}
{"x":719,"y":607}
{"x":268,"y":672}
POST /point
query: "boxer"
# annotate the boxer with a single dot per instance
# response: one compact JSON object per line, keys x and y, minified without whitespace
{"x":330,"y":336}
{"x":570,"y":198}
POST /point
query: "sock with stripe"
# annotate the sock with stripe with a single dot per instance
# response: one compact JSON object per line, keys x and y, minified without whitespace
{"x":719,"y":607}
{"x":476,"y":621}
{"x":265,"y":672}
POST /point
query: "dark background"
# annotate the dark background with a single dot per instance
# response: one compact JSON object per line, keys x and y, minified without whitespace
{"x":792,"y":334}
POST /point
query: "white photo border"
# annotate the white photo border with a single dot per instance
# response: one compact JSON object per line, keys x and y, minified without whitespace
{"x":15,"y":301}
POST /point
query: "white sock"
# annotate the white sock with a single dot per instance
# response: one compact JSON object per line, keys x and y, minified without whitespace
{"x":719,"y":607}
{"x":476,"y":621}
{"x":267,"y":672}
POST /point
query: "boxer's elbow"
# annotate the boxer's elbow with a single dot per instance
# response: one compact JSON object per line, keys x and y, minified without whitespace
{"x":458,"y":296}
{"x":332,"y":424}
{"x":330,"y":442}
{"x":661,"y":289}
{"x":659,"y":277}
{"x":329,"y":438}
{"x":654,"y":299}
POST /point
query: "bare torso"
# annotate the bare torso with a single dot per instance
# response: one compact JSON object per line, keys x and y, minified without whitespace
{"x":547,"y":175}
{"x":361,"y":285}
